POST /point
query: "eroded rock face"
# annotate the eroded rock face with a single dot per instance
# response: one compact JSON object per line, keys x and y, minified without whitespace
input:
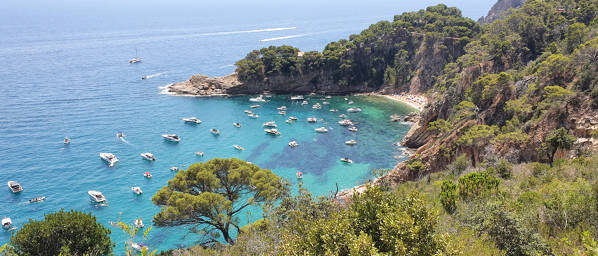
{"x":199,"y":85}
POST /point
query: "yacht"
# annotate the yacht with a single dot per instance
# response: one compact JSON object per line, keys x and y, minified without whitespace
{"x":109,"y":158}
{"x":304,"y":102}
{"x":192,"y":120}
{"x":255,"y":106}
{"x":147,"y":175}
{"x":333,"y":110}
{"x":351,"y":142}
{"x":353,"y":110}
{"x":293,"y":118}
{"x":325,"y":103}
{"x":353,"y":128}
{"x":237,"y":147}
{"x":67,"y":140}
{"x":346,"y":160}
{"x":137,"y":190}
{"x":298,"y":97}
{"x":96,"y":196}
{"x":270,"y":124}
{"x":272,"y":131}
{"x":282,"y":113}
{"x":312,"y":120}
{"x":148,"y":156}
{"x":328,"y":97}
{"x":120,"y":134}
{"x":171,"y":137}
{"x":199,"y":153}
{"x":238,"y":125}
{"x":321,"y":130}
{"x":350,"y":102}
{"x":317,"y":106}
{"x":283,"y":108}
{"x":299,"y":175}
{"x":135,"y":60}
{"x":247,"y":112}
{"x":6,"y":223}
{"x":37,"y":199}
{"x":14,"y":186}
{"x":253,"y":115}
{"x":215,"y":131}
{"x":174,"y":169}
{"x":342,"y":116}
{"x":345,"y":122}
{"x":257,"y":99}
{"x":293,"y":144}
{"x":138,"y":223}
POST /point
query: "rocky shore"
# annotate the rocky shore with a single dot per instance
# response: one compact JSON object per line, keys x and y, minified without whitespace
{"x":200,"y":85}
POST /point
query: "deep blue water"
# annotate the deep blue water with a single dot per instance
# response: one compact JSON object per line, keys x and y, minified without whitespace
{"x":64,"y":72}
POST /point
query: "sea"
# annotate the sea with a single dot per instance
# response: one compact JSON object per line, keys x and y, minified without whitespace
{"x":64,"y":71}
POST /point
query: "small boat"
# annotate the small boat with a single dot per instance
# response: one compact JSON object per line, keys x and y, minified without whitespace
{"x":138,"y":223}
{"x":293,"y":118}
{"x":346,"y":160}
{"x":215,"y":131}
{"x":342,"y":116}
{"x":67,"y":140}
{"x":238,"y":125}
{"x":270,"y":124}
{"x":96,"y":196}
{"x":328,"y":97}
{"x":199,"y":153}
{"x":255,"y":106}
{"x":137,"y":190}
{"x":351,"y":142}
{"x":237,"y":147}
{"x":395,"y":118}
{"x":312,"y":120}
{"x":353,"y":128}
{"x":282,"y":113}
{"x":144,"y":77}
{"x":317,"y":106}
{"x":257,"y":99}
{"x":299,"y":175}
{"x":282,"y":108}
{"x":147,"y":175}
{"x":304,"y":102}
{"x":135,"y":60}
{"x":325,"y":103}
{"x":321,"y":130}
{"x":293,"y":144}
{"x":120,"y":134}
{"x":272,"y":131}
{"x":138,"y":246}
{"x":289,"y":121}
{"x":333,"y":110}
{"x":350,"y":103}
{"x":253,"y":115}
{"x":6,"y":223}
{"x":345,"y":122}
{"x":192,"y":120}
{"x":346,"y":99}
{"x":14,"y":186}
{"x":37,"y":199}
{"x":298,"y":97}
{"x":353,"y":110}
{"x":148,"y":156}
{"x":174,"y":168}
{"x":109,"y":158}
{"x":171,"y":137}
{"x":247,"y":111}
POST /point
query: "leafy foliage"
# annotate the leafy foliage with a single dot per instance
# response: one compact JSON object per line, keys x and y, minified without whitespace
{"x":477,"y":184}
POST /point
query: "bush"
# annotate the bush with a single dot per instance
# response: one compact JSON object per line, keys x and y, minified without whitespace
{"x":448,"y":196}
{"x":477,"y":184}
{"x":504,"y":169}
{"x":460,"y":164}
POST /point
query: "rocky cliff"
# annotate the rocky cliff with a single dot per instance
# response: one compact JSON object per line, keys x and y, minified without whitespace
{"x":499,"y":9}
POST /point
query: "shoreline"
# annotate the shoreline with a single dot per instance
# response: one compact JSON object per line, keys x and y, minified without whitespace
{"x":416,"y":101}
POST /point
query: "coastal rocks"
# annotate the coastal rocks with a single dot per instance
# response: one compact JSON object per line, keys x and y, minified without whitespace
{"x":412,"y":117}
{"x":199,"y":85}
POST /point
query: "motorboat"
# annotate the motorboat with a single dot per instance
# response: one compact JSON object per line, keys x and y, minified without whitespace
{"x":353,"y":129}
{"x":298,"y":97}
{"x":304,"y":102}
{"x":255,"y":106}
{"x":109,"y":158}
{"x":346,"y":160}
{"x":272,"y":131}
{"x":247,"y":111}
{"x":174,"y":168}
{"x":67,"y":140}
{"x":199,"y":153}
{"x":215,"y":131}
{"x":289,"y":121}
{"x":137,"y":190}
{"x":148,"y":156}
{"x":192,"y":120}
{"x":350,"y":102}
{"x":395,"y":118}
{"x":293,"y":118}
{"x":325,"y":103}
{"x":317,"y":106}
{"x":258,"y":99}
{"x":312,"y":120}
{"x":328,"y":97}
{"x":171,"y":137}
{"x":283,"y":108}
{"x":351,"y":142}
{"x":120,"y":134}
{"x":147,"y":175}
{"x":342,"y":116}
{"x":138,"y":223}
{"x":37,"y":199}
{"x":135,"y":60}
{"x":345,"y":122}
{"x":238,"y":125}
{"x":237,"y":147}
{"x":321,"y":130}
{"x":346,"y":99}
{"x":6,"y":223}
{"x":253,"y":115}
{"x":353,"y":110}
{"x":282,"y":113}
{"x":299,"y":175}
{"x":14,"y":186}
{"x":293,"y":144}
{"x":333,"y":110}
{"x":96,"y":196}
{"x":270,"y":124}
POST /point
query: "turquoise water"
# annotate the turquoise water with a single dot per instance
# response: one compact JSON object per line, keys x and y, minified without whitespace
{"x":64,"y":72}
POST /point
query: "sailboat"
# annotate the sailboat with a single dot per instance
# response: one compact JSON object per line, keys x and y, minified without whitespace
{"x":136,"y":59}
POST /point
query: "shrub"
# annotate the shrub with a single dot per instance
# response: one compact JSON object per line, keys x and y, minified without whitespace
{"x":477,"y":184}
{"x":448,"y":196}
{"x":504,"y":169}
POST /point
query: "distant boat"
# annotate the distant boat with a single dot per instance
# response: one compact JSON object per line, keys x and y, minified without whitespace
{"x":148,"y":156}
{"x":270,"y":124}
{"x":255,"y":106}
{"x":257,"y":99}
{"x":253,"y":115}
{"x":299,"y":175}
{"x":215,"y":131}
{"x":328,"y":97}
{"x":272,"y":132}
{"x":147,"y":175}
{"x":304,"y":102}
{"x":6,"y":223}
{"x":96,"y":196}
{"x":351,"y":142}
{"x":317,"y":106}
{"x":137,"y":190}
{"x":353,"y":110}
{"x":298,"y":97}
{"x":333,"y":110}
{"x":174,"y":169}
{"x":14,"y":186}
{"x":37,"y":199}
{"x":312,"y":120}
{"x":237,"y":147}
{"x":199,"y":153}
{"x":350,"y":103}
{"x":282,"y":108}
{"x":192,"y":120}
{"x":67,"y":140}
{"x":321,"y":130}
{"x":138,"y":223}
{"x":238,"y":125}
{"x":136,"y":59}
{"x":345,"y":122}
{"x":282,"y":113}
{"x":171,"y":137}
{"x":120,"y":134}
{"x":293,"y":144}
{"x":292,"y":118}
{"x":109,"y":158}
{"x":353,"y":129}
{"x":346,"y":160}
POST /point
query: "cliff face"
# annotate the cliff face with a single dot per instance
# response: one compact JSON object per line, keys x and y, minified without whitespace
{"x":499,"y":9}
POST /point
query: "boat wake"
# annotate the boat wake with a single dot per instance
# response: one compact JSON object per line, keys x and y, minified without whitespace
{"x":153,"y":75}
{"x":283,"y":37}
{"x":124,"y":140}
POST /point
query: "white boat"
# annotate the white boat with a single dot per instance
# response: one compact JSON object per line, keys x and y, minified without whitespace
{"x":342,"y":116}
{"x":282,"y":113}
{"x":138,"y":223}
{"x":353,"y":128}
{"x":253,"y":115}
{"x":238,"y":125}
{"x":346,"y":99}
{"x":37,"y":199}
{"x":255,"y":106}
{"x":147,"y":175}
{"x":193,"y":120}
{"x":293,"y":118}
{"x":148,"y":156}
{"x":199,"y":153}
{"x":215,"y":131}
{"x":120,"y":134}
{"x":270,"y":124}
{"x":346,"y":160}
{"x":174,"y":168}
{"x":272,"y":131}
{"x":67,"y":140}
{"x":328,"y":97}
{"x":298,"y":97}
{"x":14,"y":186}
{"x":304,"y":102}
{"x":299,"y":175}
{"x":325,"y":103}
{"x":312,"y":119}
{"x":135,"y":60}
{"x":138,"y":246}
{"x":137,"y":190}
{"x":293,"y":144}
{"x":351,"y":142}
{"x":345,"y":122}
{"x":247,"y":111}
{"x":237,"y":147}
{"x":289,"y":121}
{"x":321,"y":130}
{"x":333,"y":110}
{"x":109,"y":158}
{"x":353,"y":110}
{"x":284,"y":108}
{"x":317,"y":106}
{"x":171,"y":137}
{"x":6,"y":223}
{"x":96,"y":196}
{"x":257,"y":99}
{"x":350,"y":103}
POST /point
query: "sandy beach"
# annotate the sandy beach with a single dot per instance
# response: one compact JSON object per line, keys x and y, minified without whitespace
{"x":416,"y":101}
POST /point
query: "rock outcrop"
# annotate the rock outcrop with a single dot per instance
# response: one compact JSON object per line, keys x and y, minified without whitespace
{"x":499,"y":9}
{"x":199,"y":85}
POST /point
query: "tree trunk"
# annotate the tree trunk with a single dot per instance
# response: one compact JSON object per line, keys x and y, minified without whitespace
{"x":227,"y":236}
